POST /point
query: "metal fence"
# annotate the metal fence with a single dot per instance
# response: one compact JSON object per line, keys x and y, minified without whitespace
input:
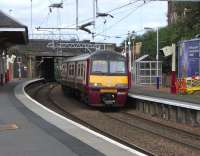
{"x":145,"y":72}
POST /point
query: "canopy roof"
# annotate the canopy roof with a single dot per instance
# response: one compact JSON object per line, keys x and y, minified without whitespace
{"x":11,"y":31}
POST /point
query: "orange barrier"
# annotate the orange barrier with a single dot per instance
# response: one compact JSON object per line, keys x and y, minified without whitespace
{"x":181,"y":86}
{"x":188,"y":85}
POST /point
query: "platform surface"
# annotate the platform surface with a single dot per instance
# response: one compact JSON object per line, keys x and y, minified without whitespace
{"x":24,"y":133}
{"x":34,"y":136}
{"x":163,"y":93}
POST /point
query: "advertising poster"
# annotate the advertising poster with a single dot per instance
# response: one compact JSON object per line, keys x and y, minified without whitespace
{"x":189,"y":58}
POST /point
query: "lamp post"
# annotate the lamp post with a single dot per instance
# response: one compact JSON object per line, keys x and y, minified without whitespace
{"x":31,"y":19}
{"x":157,"y":58}
{"x":130,"y":60}
{"x":130,"y":37}
{"x":1,"y":68}
{"x":157,"y":55}
{"x":129,"y":50}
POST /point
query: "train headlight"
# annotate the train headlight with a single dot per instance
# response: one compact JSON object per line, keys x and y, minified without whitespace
{"x":95,"y":84}
{"x":121,"y":85}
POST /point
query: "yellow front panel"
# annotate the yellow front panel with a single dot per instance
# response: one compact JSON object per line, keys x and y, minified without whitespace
{"x":108,"y":81}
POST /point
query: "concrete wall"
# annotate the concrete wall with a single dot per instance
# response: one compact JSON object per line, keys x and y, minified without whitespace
{"x":167,"y":112}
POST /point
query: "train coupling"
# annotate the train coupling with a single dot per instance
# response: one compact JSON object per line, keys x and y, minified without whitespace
{"x":108,"y":99}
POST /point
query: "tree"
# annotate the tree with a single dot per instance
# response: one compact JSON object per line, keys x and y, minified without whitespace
{"x":187,"y":26}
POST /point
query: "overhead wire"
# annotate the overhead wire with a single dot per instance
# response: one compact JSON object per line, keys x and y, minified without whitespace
{"x":120,"y":35}
{"x":45,"y":19}
{"x":121,"y":12}
{"x":112,"y":10}
{"x":124,"y":17}
{"x":120,"y":7}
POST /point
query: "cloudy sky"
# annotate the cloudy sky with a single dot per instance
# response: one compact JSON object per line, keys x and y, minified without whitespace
{"x":135,"y":16}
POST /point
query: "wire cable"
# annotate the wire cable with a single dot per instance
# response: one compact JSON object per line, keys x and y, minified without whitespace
{"x":112,"y":10}
{"x":124,"y":17}
{"x":120,"y":7}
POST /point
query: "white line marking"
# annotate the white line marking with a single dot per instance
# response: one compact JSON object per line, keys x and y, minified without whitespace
{"x":166,"y":101}
{"x":13,"y":29}
{"x":79,"y":125}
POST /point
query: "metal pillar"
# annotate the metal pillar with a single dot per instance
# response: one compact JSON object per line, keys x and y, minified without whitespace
{"x":173,"y":76}
{"x":1,"y":70}
{"x":77,"y":15}
{"x":157,"y":58}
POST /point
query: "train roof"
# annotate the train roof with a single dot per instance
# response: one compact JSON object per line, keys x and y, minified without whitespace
{"x":98,"y":55}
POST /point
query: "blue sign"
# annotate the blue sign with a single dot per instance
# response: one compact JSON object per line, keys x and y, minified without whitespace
{"x":189,"y":58}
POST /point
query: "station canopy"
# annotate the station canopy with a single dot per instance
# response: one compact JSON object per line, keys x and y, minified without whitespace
{"x":12,"y":32}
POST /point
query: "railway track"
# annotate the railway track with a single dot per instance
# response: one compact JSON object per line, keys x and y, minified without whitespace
{"x":197,"y":136}
{"x":176,"y":135}
{"x":67,"y":114}
{"x":124,"y":119}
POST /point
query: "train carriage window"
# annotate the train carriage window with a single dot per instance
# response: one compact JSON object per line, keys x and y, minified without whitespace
{"x":63,"y":68}
{"x":70,"y":70}
{"x":66,"y":70}
{"x":69,"y":66}
{"x":117,"y":67}
{"x":81,"y":70}
{"x":73,"y":70}
{"x":78,"y":70}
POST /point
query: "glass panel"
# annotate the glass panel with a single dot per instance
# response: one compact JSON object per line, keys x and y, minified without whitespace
{"x":117,"y":67}
{"x":153,"y":72}
{"x":99,"y":66}
{"x":153,"y":65}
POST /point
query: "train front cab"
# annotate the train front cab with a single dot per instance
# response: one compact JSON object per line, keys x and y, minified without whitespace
{"x":108,"y":82}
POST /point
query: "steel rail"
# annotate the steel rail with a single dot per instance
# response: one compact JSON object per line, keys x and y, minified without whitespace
{"x":76,"y":119}
{"x":155,"y":133}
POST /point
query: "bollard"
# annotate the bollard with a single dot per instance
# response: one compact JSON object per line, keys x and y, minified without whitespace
{"x":6,"y":77}
{"x":157,"y":83}
{"x":1,"y":77}
{"x":173,"y":82}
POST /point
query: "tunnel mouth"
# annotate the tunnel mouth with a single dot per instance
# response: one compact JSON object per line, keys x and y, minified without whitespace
{"x":46,"y":69}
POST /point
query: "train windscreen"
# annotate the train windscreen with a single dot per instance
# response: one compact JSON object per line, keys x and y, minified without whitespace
{"x":117,"y":67}
{"x":108,"y":67}
{"x":99,"y":66}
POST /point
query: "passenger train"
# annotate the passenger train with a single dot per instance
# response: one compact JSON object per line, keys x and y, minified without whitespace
{"x":100,"y":78}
